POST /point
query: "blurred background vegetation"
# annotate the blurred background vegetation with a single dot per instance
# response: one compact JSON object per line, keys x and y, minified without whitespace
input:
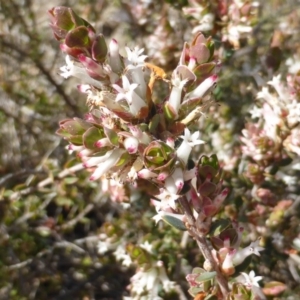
{"x":50,"y":220}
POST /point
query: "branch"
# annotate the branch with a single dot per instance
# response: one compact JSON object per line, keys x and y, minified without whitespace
{"x":203,"y":246}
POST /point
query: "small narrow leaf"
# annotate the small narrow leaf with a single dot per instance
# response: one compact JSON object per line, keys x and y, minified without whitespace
{"x":174,"y":222}
{"x":206,"y":276}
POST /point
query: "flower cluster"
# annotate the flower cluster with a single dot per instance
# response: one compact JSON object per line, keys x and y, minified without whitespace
{"x":235,"y":18}
{"x":272,"y":135}
{"x":129,"y":135}
{"x":139,"y":130}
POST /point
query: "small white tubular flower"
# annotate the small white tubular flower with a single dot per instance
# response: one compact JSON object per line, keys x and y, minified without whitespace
{"x":294,"y":64}
{"x":250,"y":279}
{"x":167,"y":199}
{"x":146,"y":174}
{"x":85,"y":154}
{"x":189,"y":174}
{"x":161,"y":214}
{"x":170,"y":185}
{"x":189,"y":141}
{"x":131,"y":145}
{"x":139,"y":134}
{"x":178,"y":181}
{"x":202,"y":89}
{"x":114,"y":57}
{"x":105,"y":166}
{"x":113,"y":77}
{"x":71,"y":70}
{"x":255,"y":112}
{"x":278,"y":86}
{"x":266,"y":95}
{"x":147,"y":246}
{"x":135,"y":102}
{"x":151,"y":280}
{"x":167,"y":284}
{"x":94,"y":161}
{"x":293,"y":108}
{"x":126,"y":91}
{"x":134,"y":56}
{"x":206,"y":23}
{"x":102,"y":247}
{"x":227,"y":265}
{"x":120,"y":254}
{"x":241,"y":255}
{"x":137,"y":76}
{"x":175,"y":96}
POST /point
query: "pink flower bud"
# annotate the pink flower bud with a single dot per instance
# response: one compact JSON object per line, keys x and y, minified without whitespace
{"x":131,"y":145}
{"x":146,"y":174}
{"x":227,"y":265}
{"x":102,"y":143}
{"x":203,"y":88}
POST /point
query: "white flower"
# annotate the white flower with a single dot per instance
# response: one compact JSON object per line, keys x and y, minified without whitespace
{"x":102,"y":247}
{"x":161,"y":214}
{"x":287,"y":179}
{"x":250,"y":279}
{"x":106,"y":165}
{"x":134,"y":56}
{"x":175,"y":96}
{"x":121,"y":254}
{"x":94,"y":161}
{"x":151,"y":280}
{"x":192,"y":139}
{"x":266,"y":95}
{"x":255,"y":112}
{"x":293,"y":64}
{"x":167,"y":199}
{"x":70,"y":69}
{"x":146,"y":246}
{"x":241,"y":255}
{"x":189,"y":141}
{"x":146,"y":174}
{"x":202,"y":88}
{"x":134,"y":101}
{"x":114,"y":57}
{"x":278,"y":86}
{"x":206,"y":23}
{"x":136,"y":73}
{"x":167,"y":284}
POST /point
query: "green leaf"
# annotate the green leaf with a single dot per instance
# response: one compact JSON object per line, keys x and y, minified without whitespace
{"x":91,"y":136}
{"x":123,"y":160}
{"x":204,"y":70}
{"x":206,"y":276}
{"x":70,"y":180}
{"x":78,"y":37}
{"x":112,"y":136}
{"x":174,"y":222}
{"x":154,"y":123}
{"x":99,"y":48}
{"x":169,"y":112}
{"x":198,"y":270}
{"x":218,"y":226}
{"x":73,"y":127}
